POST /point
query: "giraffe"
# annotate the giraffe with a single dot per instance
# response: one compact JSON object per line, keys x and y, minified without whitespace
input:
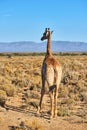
{"x":51,"y":73}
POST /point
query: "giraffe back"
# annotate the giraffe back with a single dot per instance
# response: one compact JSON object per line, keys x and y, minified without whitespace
{"x":50,"y":69}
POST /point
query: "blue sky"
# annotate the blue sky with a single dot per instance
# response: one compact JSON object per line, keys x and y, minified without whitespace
{"x":25,"y":20}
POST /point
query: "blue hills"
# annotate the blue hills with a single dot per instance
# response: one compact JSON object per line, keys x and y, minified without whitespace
{"x":30,"y":46}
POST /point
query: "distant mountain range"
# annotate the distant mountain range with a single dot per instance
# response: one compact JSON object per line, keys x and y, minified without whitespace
{"x":29,"y":46}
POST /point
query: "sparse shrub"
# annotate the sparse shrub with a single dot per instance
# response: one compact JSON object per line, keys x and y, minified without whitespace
{"x":3,"y":97}
{"x":83,"y":96}
{"x":63,"y":112}
{"x":81,"y":86}
{"x":63,"y":91}
{"x":66,"y":78}
{"x":69,"y":101}
{"x":70,"y":77}
{"x":35,"y":124}
{"x":33,"y":87}
{"x":19,"y":83}
{"x":35,"y":95}
{"x":9,"y":89}
{"x":34,"y":104}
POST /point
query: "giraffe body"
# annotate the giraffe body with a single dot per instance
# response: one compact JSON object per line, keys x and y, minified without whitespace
{"x":51,"y":73}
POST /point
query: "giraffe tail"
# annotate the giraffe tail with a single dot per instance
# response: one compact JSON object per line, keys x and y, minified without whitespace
{"x":52,"y":88}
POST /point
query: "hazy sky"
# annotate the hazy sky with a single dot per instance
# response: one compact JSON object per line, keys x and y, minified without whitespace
{"x":25,"y":20}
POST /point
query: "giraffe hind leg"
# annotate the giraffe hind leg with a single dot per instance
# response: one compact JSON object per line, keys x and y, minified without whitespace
{"x":55,"y":102}
{"x":52,"y":103}
{"x":58,"y":80}
{"x":52,"y":95}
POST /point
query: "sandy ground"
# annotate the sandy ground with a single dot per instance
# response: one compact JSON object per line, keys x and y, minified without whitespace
{"x":14,"y":115}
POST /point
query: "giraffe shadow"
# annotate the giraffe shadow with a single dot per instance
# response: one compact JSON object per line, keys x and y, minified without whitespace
{"x":22,"y":109}
{"x":44,"y":115}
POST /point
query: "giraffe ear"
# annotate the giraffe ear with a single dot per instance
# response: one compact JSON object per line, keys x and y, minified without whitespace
{"x":45,"y":29}
{"x":51,"y":32}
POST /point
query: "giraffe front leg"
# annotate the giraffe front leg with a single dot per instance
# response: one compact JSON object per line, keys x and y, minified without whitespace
{"x":55,"y":107}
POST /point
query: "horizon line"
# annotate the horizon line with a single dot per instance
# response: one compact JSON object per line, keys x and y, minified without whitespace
{"x":41,"y":42}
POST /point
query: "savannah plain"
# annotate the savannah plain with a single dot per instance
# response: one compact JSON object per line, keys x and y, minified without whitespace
{"x":20,"y":87}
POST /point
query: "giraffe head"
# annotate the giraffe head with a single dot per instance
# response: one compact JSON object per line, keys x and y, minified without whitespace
{"x":46,"y":34}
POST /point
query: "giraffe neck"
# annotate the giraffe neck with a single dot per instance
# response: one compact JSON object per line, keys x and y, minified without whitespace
{"x":49,"y":45}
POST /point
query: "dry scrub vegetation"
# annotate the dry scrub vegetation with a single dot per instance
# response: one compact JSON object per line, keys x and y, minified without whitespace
{"x":20,"y":77}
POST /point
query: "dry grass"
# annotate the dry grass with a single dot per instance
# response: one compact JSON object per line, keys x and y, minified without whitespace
{"x":33,"y":124}
{"x":18,"y":73}
{"x":3,"y":97}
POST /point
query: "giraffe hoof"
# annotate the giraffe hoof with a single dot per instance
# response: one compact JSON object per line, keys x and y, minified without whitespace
{"x":38,"y":110}
{"x":51,"y":117}
{"x":55,"y":116}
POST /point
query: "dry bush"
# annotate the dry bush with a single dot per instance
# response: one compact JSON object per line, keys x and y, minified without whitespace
{"x":34,"y":124}
{"x":74,"y":77}
{"x":83,"y":96}
{"x":3,"y":97}
{"x":34,"y":95}
{"x":34,"y":104}
{"x":70,"y":77}
{"x":63,"y":91}
{"x":9,"y":89}
{"x":67,"y":101}
{"x":62,"y":111}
